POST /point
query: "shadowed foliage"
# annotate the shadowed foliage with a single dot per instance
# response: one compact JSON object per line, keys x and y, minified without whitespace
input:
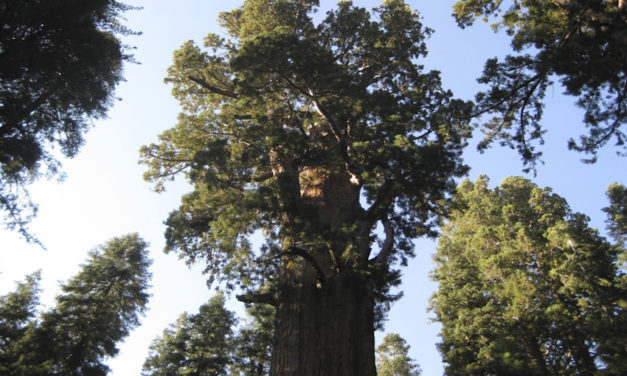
{"x":60,"y":61}
{"x":580,"y":43}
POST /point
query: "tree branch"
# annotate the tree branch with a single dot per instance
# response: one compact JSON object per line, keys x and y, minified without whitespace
{"x":262,"y":298}
{"x":378,"y":209}
{"x":211,"y":88}
{"x":344,"y":147}
{"x":296,"y":251}
{"x":388,"y":243}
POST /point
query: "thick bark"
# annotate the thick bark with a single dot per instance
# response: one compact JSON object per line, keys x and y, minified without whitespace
{"x":324,"y":330}
{"x":325,"y":303}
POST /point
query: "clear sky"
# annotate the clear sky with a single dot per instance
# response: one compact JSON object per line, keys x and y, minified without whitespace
{"x":104,"y":195}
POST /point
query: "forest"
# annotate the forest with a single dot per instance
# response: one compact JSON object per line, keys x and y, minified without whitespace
{"x":328,"y":179}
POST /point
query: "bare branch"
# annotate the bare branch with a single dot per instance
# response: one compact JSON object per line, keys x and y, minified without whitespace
{"x":296,"y":251}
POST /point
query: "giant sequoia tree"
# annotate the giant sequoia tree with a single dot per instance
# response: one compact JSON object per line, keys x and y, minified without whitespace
{"x":60,"y":61}
{"x":526,"y":287}
{"x":581,"y":43}
{"x":313,"y":135}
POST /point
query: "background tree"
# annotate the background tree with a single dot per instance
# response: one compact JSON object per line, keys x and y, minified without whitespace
{"x":287,"y":127}
{"x":583,"y":43}
{"x":393,"y":358}
{"x":17,"y":311}
{"x":60,"y":61}
{"x":253,"y":343}
{"x":200,"y":344}
{"x":617,"y":212}
{"x":96,"y":309}
{"x":206,"y":344}
{"x":526,"y":287}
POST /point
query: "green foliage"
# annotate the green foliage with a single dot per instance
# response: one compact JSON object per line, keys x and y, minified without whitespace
{"x":206,"y":344}
{"x":17,"y":311}
{"x":526,"y":287}
{"x":96,"y":309}
{"x":617,"y":212}
{"x":253,"y":343}
{"x":283,"y":112}
{"x":60,"y":61}
{"x":198,"y":344}
{"x":583,"y":43}
{"x":393,"y":358}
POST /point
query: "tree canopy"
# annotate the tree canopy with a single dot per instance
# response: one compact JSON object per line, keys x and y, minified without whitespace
{"x":581,"y":43}
{"x":617,"y":212}
{"x":60,"y":61}
{"x":526,"y":287}
{"x":287,"y":127}
{"x":393,"y":357}
{"x":268,"y":110}
{"x":95,"y":310}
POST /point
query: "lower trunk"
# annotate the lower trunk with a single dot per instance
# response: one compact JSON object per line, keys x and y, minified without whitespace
{"x":324,"y":329}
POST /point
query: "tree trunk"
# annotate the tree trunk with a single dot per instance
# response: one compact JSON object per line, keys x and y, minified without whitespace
{"x":324,"y":330}
{"x":325,"y":306}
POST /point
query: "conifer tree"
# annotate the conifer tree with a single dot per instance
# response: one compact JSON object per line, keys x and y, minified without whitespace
{"x":314,"y":135}
{"x":199,"y":344}
{"x":393,"y":357}
{"x":95,"y":310}
{"x":526,"y":287}
{"x":208,"y":343}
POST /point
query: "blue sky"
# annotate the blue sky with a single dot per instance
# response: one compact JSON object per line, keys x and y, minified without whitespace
{"x":104,"y":194}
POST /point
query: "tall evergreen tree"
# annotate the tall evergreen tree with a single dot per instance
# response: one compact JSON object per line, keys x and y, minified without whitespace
{"x":253,"y":343}
{"x":526,"y":287}
{"x":312,"y":134}
{"x":17,"y":311}
{"x":96,"y":309}
{"x":60,"y":61}
{"x":199,"y":344}
{"x":393,"y":357}
{"x":617,"y":212}
{"x":583,"y":43}
{"x":207,"y":343}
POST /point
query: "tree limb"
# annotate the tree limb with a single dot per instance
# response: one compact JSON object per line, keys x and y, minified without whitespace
{"x":263,"y":298}
{"x":211,"y":88}
{"x":296,"y":251}
{"x":379,"y":207}
{"x":388,"y":243}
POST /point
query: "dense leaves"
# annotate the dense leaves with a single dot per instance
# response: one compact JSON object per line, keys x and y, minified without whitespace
{"x":206,"y":343}
{"x":60,"y":61}
{"x":581,"y":43}
{"x":393,"y":358}
{"x":286,"y":110}
{"x":526,"y":287}
{"x":95,"y":310}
